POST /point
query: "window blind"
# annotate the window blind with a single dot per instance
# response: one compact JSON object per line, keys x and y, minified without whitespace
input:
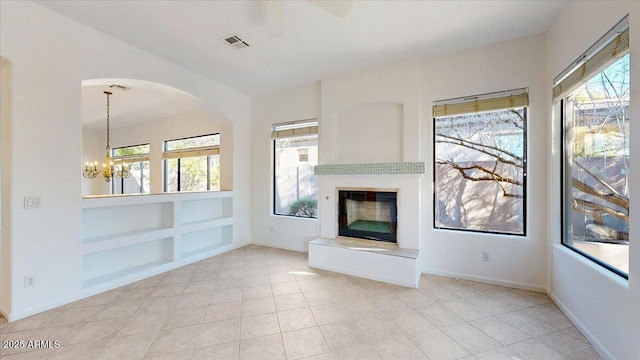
{"x":131,"y":158}
{"x":175,"y":154}
{"x":296,"y":128}
{"x":481,"y":103}
{"x":610,"y":47}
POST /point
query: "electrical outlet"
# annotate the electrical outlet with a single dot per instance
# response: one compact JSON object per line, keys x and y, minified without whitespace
{"x":486,"y":257}
{"x":32,"y":202}
{"x":271,"y":229}
{"x":29,"y":281}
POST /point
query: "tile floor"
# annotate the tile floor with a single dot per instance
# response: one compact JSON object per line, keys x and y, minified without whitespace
{"x":264,"y":303}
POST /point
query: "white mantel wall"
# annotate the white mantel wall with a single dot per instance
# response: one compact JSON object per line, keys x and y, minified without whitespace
{"x":374,"y":109}
{"x":49,"y":55}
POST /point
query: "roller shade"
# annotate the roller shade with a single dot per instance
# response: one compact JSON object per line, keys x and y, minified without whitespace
{"x":132,"y":158}
{"x":297,"y":128}
{"x":481,"y":103}
{"x":191,"y":153}
{"x":610,"y":47}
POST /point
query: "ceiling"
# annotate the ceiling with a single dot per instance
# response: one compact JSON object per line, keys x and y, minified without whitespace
{"x":315,"y":43}
{"x":136,"y":105}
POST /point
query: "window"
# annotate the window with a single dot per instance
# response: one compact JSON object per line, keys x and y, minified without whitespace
{"x":480,"y":163}
{"x":295,"y":188}
{"x":137,"y":157}
{"x":192,"y":164}
{"x":594,"y":108}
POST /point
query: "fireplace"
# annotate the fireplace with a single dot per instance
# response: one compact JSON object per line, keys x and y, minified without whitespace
{"x":365,"y":214}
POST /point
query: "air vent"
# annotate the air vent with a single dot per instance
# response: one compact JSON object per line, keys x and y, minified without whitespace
{"x":236,"y":42}
{"x":119,"y":87}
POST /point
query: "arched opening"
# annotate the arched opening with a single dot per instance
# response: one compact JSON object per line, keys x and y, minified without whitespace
{"x":144,"y":116}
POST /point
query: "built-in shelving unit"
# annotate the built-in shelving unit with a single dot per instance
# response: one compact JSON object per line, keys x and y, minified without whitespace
{"x":125,"y":237}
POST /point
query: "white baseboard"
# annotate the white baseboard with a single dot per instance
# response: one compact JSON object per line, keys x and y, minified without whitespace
{"x":279,"y":246}
{"x":578,"y":324}
{"x":500,"y":282}
{"x":5,"y":313}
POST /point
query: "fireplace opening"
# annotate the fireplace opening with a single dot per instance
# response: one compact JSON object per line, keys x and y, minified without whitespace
{"x":371,"y":215}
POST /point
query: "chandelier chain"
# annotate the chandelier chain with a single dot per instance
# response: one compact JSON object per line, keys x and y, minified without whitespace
{"x":120,"y":170}
{"x":108,"y":135}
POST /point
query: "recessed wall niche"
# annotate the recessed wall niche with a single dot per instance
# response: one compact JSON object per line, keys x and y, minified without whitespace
{"x":368,"y":133}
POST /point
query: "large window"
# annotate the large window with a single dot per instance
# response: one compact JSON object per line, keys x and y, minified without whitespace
{"x":480,"y":163}
{"x":295,"y":188}
{"x":594,"y":104}
{"x":137,"y":157}
{"x":192,"y":164}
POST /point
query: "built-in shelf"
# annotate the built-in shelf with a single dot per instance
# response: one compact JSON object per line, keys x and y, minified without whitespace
{"x":202,"y":224}
{"x":202,"y":241}
{"x":128,"y":239}
{"x":127,"y":235}
{"x":110,"y":222}
{"x":122,"y":235}
{"x":121,"y":274}
{"x":111,"y":264}
{"x":201,"y":210}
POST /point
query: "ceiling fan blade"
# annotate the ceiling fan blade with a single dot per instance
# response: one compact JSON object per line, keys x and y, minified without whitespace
{"x":275,"y":18}
{"x":339,"y":8}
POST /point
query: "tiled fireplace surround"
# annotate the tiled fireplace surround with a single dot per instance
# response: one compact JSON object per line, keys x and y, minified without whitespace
{"x":367,"y":258}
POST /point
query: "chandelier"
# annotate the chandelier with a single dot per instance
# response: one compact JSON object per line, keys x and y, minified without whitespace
{"x":108,"y":170}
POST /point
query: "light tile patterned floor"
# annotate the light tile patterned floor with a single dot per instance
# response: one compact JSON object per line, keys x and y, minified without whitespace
{"x":263,"y":303}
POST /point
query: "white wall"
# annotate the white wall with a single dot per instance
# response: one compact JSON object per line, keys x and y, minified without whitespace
{"x":605,"y":307}
{"x":49,"y":56}
{"x":368,"y":133}
{"x":395,"y":83}
{"x":415,"y":84}
{"x":268,"y":229}
{"x":154,"y":133}
{"x":516,"y":261}
{"x":5,"y":195}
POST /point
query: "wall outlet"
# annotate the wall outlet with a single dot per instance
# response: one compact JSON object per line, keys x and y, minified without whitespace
{"x":271,"y":229}
{"x":32,"y":202}
{"x":29,"y":281}
{"x":486,"y":257}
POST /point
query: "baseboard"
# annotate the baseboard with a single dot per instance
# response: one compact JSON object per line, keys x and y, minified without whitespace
{"x":5,"y":313}
{"x":500,"y":282}
{"x":278,"y":246}
{"x":85,"y":293}
{"x":578,"y":324}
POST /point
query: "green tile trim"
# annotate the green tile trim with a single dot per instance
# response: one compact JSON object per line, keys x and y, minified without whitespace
{"x":403,"y":168}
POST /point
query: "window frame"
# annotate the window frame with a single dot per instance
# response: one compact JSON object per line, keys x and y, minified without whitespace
{"x":293,"y":129}
{"x":566,"y":188}
{"x":178,"y":164}
{"x":143,"y":157}
{"x":461,"y":101}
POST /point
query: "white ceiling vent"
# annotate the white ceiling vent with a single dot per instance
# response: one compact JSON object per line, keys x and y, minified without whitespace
{"x":236,"y":42}
{"x":119,"y":87}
